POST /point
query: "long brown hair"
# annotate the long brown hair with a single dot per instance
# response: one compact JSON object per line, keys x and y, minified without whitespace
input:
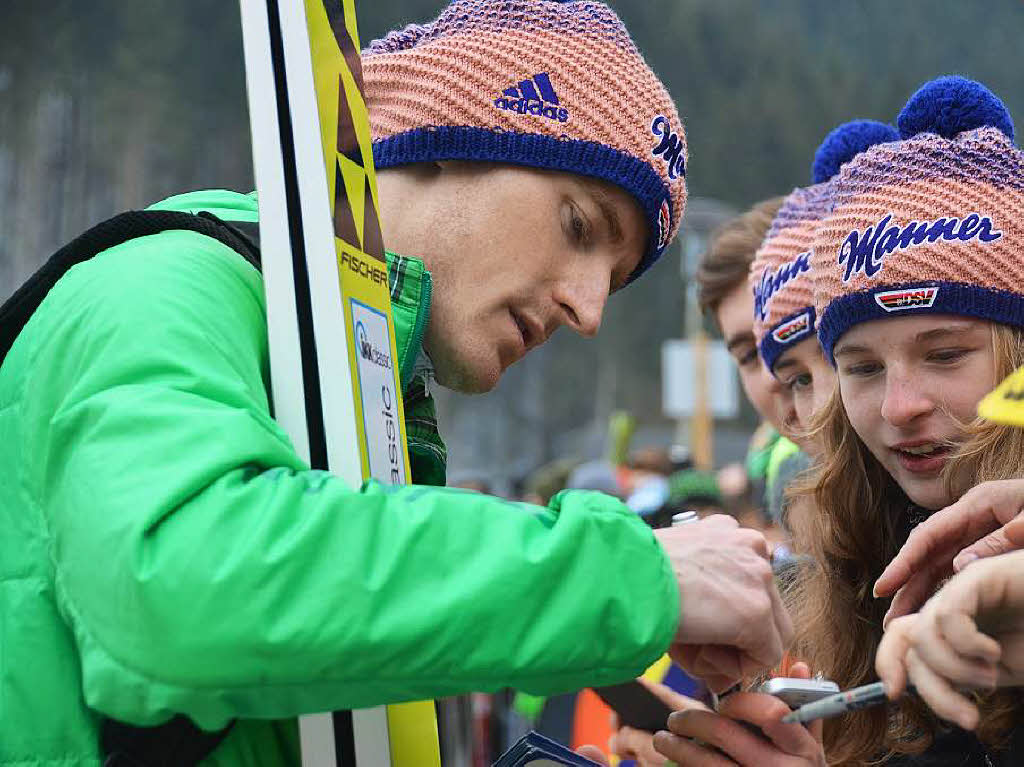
{"x":859,"y":520}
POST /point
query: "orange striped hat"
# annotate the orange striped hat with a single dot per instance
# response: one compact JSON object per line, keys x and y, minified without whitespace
{"x":780,"y":274}
{"x":933,"y":223}
{"x":549,"y":84}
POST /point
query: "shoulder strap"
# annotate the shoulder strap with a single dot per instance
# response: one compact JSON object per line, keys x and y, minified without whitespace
{"x":175,"y":743}
{"x":178,"y":741}
{"x":20,"y":307}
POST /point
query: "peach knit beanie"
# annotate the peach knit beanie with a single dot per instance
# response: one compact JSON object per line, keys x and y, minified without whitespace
{"x":933,"y":223}
{"x":780,"y":274}
{"x":555,"y":84}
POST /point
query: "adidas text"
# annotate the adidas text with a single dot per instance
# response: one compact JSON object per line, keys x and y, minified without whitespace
{"x":532,"y":107}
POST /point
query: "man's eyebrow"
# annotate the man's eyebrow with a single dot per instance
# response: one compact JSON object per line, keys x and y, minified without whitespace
{"x":783,"y":364}
{"x":740,"y":338}
{"x":849,"y":349}
{"x":611,"y":218}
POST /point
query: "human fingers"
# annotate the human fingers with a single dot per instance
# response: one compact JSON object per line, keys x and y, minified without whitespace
{"x":916,"y":590}
{"x":981,"y":510}
{"x":727,"y":735}
{"x":594,"y":754}
{"x":801,"y":670}
{"x":890,"y":658}
{"x":992,"y":545}
{"x":670,"y":697}
{"x":637,"y":744}
{"x":1014,"y":530}
{"x":689,"y":657}
{"x":942,"y":532}
{"x":939,"y":694}
{"x":719,"y":666}
{"x":962,"y":634}
{"x":768,"y":628}
{"x":683,"y":751}
{"x":766,"y":712}
{"x":932,"y":648}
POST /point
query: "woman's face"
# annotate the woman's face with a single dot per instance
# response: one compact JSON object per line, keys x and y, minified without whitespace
{"x":906,"y":385}
{"x":803,"y":370}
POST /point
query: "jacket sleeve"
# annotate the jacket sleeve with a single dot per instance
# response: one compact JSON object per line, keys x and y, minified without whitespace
{"x":203,"y":569}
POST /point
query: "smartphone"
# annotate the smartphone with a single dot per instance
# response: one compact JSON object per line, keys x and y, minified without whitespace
{"x":636,"y":706}
{"x":798,"y":692}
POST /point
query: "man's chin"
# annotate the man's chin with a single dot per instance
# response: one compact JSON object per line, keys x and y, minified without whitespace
{"x":468,"y":379}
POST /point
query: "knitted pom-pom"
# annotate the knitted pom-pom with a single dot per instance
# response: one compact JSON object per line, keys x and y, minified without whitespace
{"x":846,"y":142}
{"x":951,"y":105}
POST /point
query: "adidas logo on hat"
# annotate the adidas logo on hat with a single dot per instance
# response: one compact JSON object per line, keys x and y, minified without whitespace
{"x":535,"y":96}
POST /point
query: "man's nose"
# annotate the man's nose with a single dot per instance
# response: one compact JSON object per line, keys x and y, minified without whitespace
{"x":582,"y":303}
{"x":904,"y":400}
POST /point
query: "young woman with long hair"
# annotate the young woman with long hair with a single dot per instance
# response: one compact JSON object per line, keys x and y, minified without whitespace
{"x":919,"y":294}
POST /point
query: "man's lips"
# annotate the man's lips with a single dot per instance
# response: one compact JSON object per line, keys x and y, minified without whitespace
{"x":532,"y":332}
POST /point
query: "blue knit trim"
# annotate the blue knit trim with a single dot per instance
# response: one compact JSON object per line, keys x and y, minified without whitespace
{"x":587,"y":158}
{"x":952,"y":298}
{"x":772,"y":348}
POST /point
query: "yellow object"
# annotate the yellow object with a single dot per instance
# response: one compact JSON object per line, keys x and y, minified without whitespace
{"x":1005,"y":404}
{"x":362,"y":272}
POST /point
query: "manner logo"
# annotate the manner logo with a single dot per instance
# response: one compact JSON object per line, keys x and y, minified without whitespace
{"x":793,"y":329}
{"x":772,"y":281}
{"x":908,"y":298}
{"x":863,"y":251}
{"x":535,"y":96}
{"x":670,"y":147}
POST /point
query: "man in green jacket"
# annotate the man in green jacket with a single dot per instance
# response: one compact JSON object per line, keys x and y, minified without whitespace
{"x":165,"y":551}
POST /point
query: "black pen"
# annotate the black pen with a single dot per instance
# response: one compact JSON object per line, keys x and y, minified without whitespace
{"x":853,"y":699}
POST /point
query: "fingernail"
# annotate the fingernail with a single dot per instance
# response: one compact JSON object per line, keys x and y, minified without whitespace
{"x":961,"y":561}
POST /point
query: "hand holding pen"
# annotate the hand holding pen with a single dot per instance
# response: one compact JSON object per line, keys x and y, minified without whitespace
{"x":970,"y":635}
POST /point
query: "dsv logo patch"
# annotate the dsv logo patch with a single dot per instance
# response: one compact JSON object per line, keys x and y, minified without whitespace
{"x":794,"y":328}
{"x":911,"y":298}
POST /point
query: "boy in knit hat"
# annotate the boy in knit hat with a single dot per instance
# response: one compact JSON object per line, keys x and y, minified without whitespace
{"x":781,"y":275}
{"x":167,"y":553}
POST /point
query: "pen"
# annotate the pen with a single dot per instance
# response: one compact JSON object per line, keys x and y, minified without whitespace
{"x":842,"y":702}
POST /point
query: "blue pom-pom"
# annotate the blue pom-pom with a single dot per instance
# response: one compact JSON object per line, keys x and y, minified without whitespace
{"x":846,"y":142}
{"x":950,"y":105}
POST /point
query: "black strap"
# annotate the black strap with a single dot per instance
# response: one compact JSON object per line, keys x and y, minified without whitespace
{"x":178,"y":742}
{"x":17,"y":310}
{"x":171,"y":744}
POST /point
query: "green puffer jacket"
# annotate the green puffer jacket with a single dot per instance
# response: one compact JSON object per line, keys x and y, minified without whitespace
{"x":163,"y":549}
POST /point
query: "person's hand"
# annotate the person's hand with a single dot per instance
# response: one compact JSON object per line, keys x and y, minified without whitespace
{"x":969,"y":635}
{"x":629,"y":743}
{"x":733,"y":621}
{"x":778,"y":745}
{"x":985,"y":522}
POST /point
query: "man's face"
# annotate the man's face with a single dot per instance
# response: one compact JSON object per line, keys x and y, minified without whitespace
{"x":515,"y":253}
{"x":735,"y":315}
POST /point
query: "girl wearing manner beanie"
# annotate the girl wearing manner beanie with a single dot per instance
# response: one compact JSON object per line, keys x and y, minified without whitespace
{"x":920,"y":307}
